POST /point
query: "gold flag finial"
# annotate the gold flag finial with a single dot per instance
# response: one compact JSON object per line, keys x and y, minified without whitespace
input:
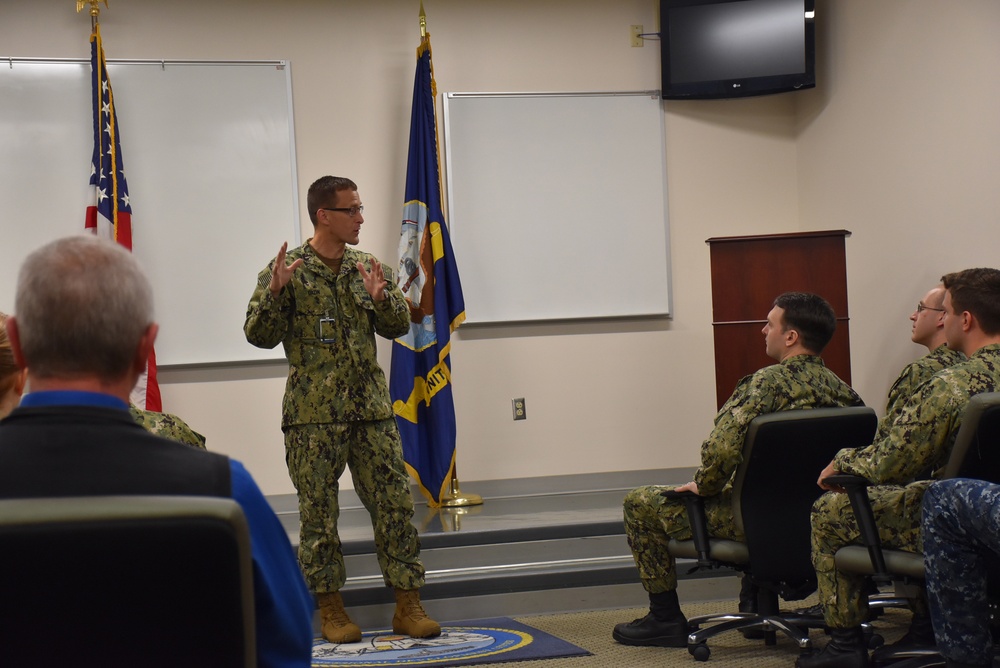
{"x":423,"y":20}
{"x":95,"y":9}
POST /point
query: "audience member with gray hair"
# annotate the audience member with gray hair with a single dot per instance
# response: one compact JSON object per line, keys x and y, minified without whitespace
{"x":83,"y":307}
{"x":83,"y":328}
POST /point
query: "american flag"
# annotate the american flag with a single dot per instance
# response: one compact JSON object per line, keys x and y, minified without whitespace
{"x":111,"y":214}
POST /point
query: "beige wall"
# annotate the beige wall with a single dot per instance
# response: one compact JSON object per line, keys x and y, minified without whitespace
{"x":897,"y":144}
{"x":902,"y":147}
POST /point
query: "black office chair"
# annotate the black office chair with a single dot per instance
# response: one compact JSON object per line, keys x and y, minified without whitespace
{"x":976,"y":454}
{"x":126,"y":581}
{"x":773,"y":492}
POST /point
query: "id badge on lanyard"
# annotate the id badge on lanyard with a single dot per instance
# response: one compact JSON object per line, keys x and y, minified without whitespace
{"x":326,"y":329}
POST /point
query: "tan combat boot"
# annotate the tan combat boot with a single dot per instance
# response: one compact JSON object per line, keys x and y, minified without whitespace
{"x":410,"y":618}
{"x":336,"y":626}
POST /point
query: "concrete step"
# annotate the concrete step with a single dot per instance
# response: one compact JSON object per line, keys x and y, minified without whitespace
{"x":476,"y":570}
{"x":544,"y":545}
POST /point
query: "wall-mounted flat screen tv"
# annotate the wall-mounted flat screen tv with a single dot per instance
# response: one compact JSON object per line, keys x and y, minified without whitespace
{"x":736,"y":48}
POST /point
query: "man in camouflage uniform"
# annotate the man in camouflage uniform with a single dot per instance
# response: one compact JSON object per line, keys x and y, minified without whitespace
{"x":917,"y":445}
{"x":928,"y":331}
{"x":798,"y":328}
{"x":961,"y":533}
{"x":325,"y":306}
{"x":167,"y":425}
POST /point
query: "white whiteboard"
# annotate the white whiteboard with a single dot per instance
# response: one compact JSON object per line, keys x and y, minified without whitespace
{"x":208,"y":150}
{"x":557,"y":204}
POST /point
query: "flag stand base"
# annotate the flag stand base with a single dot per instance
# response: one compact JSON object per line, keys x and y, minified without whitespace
{"x":456,"y":499}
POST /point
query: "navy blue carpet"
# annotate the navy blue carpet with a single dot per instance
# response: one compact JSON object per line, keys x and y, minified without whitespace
{"x":468,"y":643}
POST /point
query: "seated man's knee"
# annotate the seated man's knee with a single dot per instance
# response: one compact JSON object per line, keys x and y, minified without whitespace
{"x":640,"y":499}
{"x":830,"y":505}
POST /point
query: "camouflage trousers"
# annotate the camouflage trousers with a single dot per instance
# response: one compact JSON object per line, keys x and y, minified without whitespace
{"x":961,"y":529}
{"x":316,"y":455}
{"x":897,"y":515}
{"x":651,"y":520}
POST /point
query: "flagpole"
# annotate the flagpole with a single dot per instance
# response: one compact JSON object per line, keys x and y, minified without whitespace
{"x":454,"y":497}
{"x":110,"y":215}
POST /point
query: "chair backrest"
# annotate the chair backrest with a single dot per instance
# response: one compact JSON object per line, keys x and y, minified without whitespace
{"x":126,"y":581}
{"x":976,"y":453}
{"x":776,"y":485}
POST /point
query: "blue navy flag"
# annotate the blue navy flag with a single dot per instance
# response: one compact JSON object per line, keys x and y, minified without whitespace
{"x":420,"y":374}
{"x":110,"y":216}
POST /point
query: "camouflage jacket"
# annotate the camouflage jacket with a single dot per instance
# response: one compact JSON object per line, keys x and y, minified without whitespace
{"x":920,"y":439}
{"x":910,"y":378}
{"x":168,"y":426}
{"x":802,"y":381}
{"x":327,"y":324}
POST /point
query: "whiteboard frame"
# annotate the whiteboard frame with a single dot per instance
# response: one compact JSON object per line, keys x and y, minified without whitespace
{"x":559,"y":294}
{"x":254,"y":226}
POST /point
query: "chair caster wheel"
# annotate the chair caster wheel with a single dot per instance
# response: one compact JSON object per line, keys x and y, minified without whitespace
{"x":874,"y":641}
{"x":700,"y":652}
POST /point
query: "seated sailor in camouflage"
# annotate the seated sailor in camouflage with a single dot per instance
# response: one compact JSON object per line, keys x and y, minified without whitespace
{"x":324,"y":303}
{"x":928,"y":331}
{"x":798,"y":328}
{"x":916,"y":446}
{"x":167,"y":425}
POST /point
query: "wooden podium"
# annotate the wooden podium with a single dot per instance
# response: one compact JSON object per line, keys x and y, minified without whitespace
{"x":748,"y":272}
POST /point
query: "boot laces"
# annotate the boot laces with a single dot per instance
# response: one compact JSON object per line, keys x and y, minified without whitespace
{"x":336,"y":614}
{"x":414,"y":610}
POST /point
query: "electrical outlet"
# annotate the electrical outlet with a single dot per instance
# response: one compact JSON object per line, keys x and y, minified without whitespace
{"x":635,"y":33}
{"x":519,"y":413}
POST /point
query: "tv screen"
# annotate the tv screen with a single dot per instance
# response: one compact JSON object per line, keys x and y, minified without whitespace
{"x":736,"y":48}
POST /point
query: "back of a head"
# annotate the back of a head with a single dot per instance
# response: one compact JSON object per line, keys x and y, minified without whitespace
{"x":811,"y":316}
{"x":82,"y":306}
{"x":978,"y":292}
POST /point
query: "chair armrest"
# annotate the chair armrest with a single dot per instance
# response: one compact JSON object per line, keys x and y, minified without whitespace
{"x":698,"y":520}
{"x":856,"y":489}
{"x":846,"y":480}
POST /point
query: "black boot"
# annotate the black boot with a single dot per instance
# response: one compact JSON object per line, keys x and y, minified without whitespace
{"x":920,"y":635}
{"x":664,"y":626}
{"x":846,"y":649}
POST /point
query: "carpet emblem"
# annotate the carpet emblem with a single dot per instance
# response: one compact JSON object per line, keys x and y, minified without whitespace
{"x":387,"y":649}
